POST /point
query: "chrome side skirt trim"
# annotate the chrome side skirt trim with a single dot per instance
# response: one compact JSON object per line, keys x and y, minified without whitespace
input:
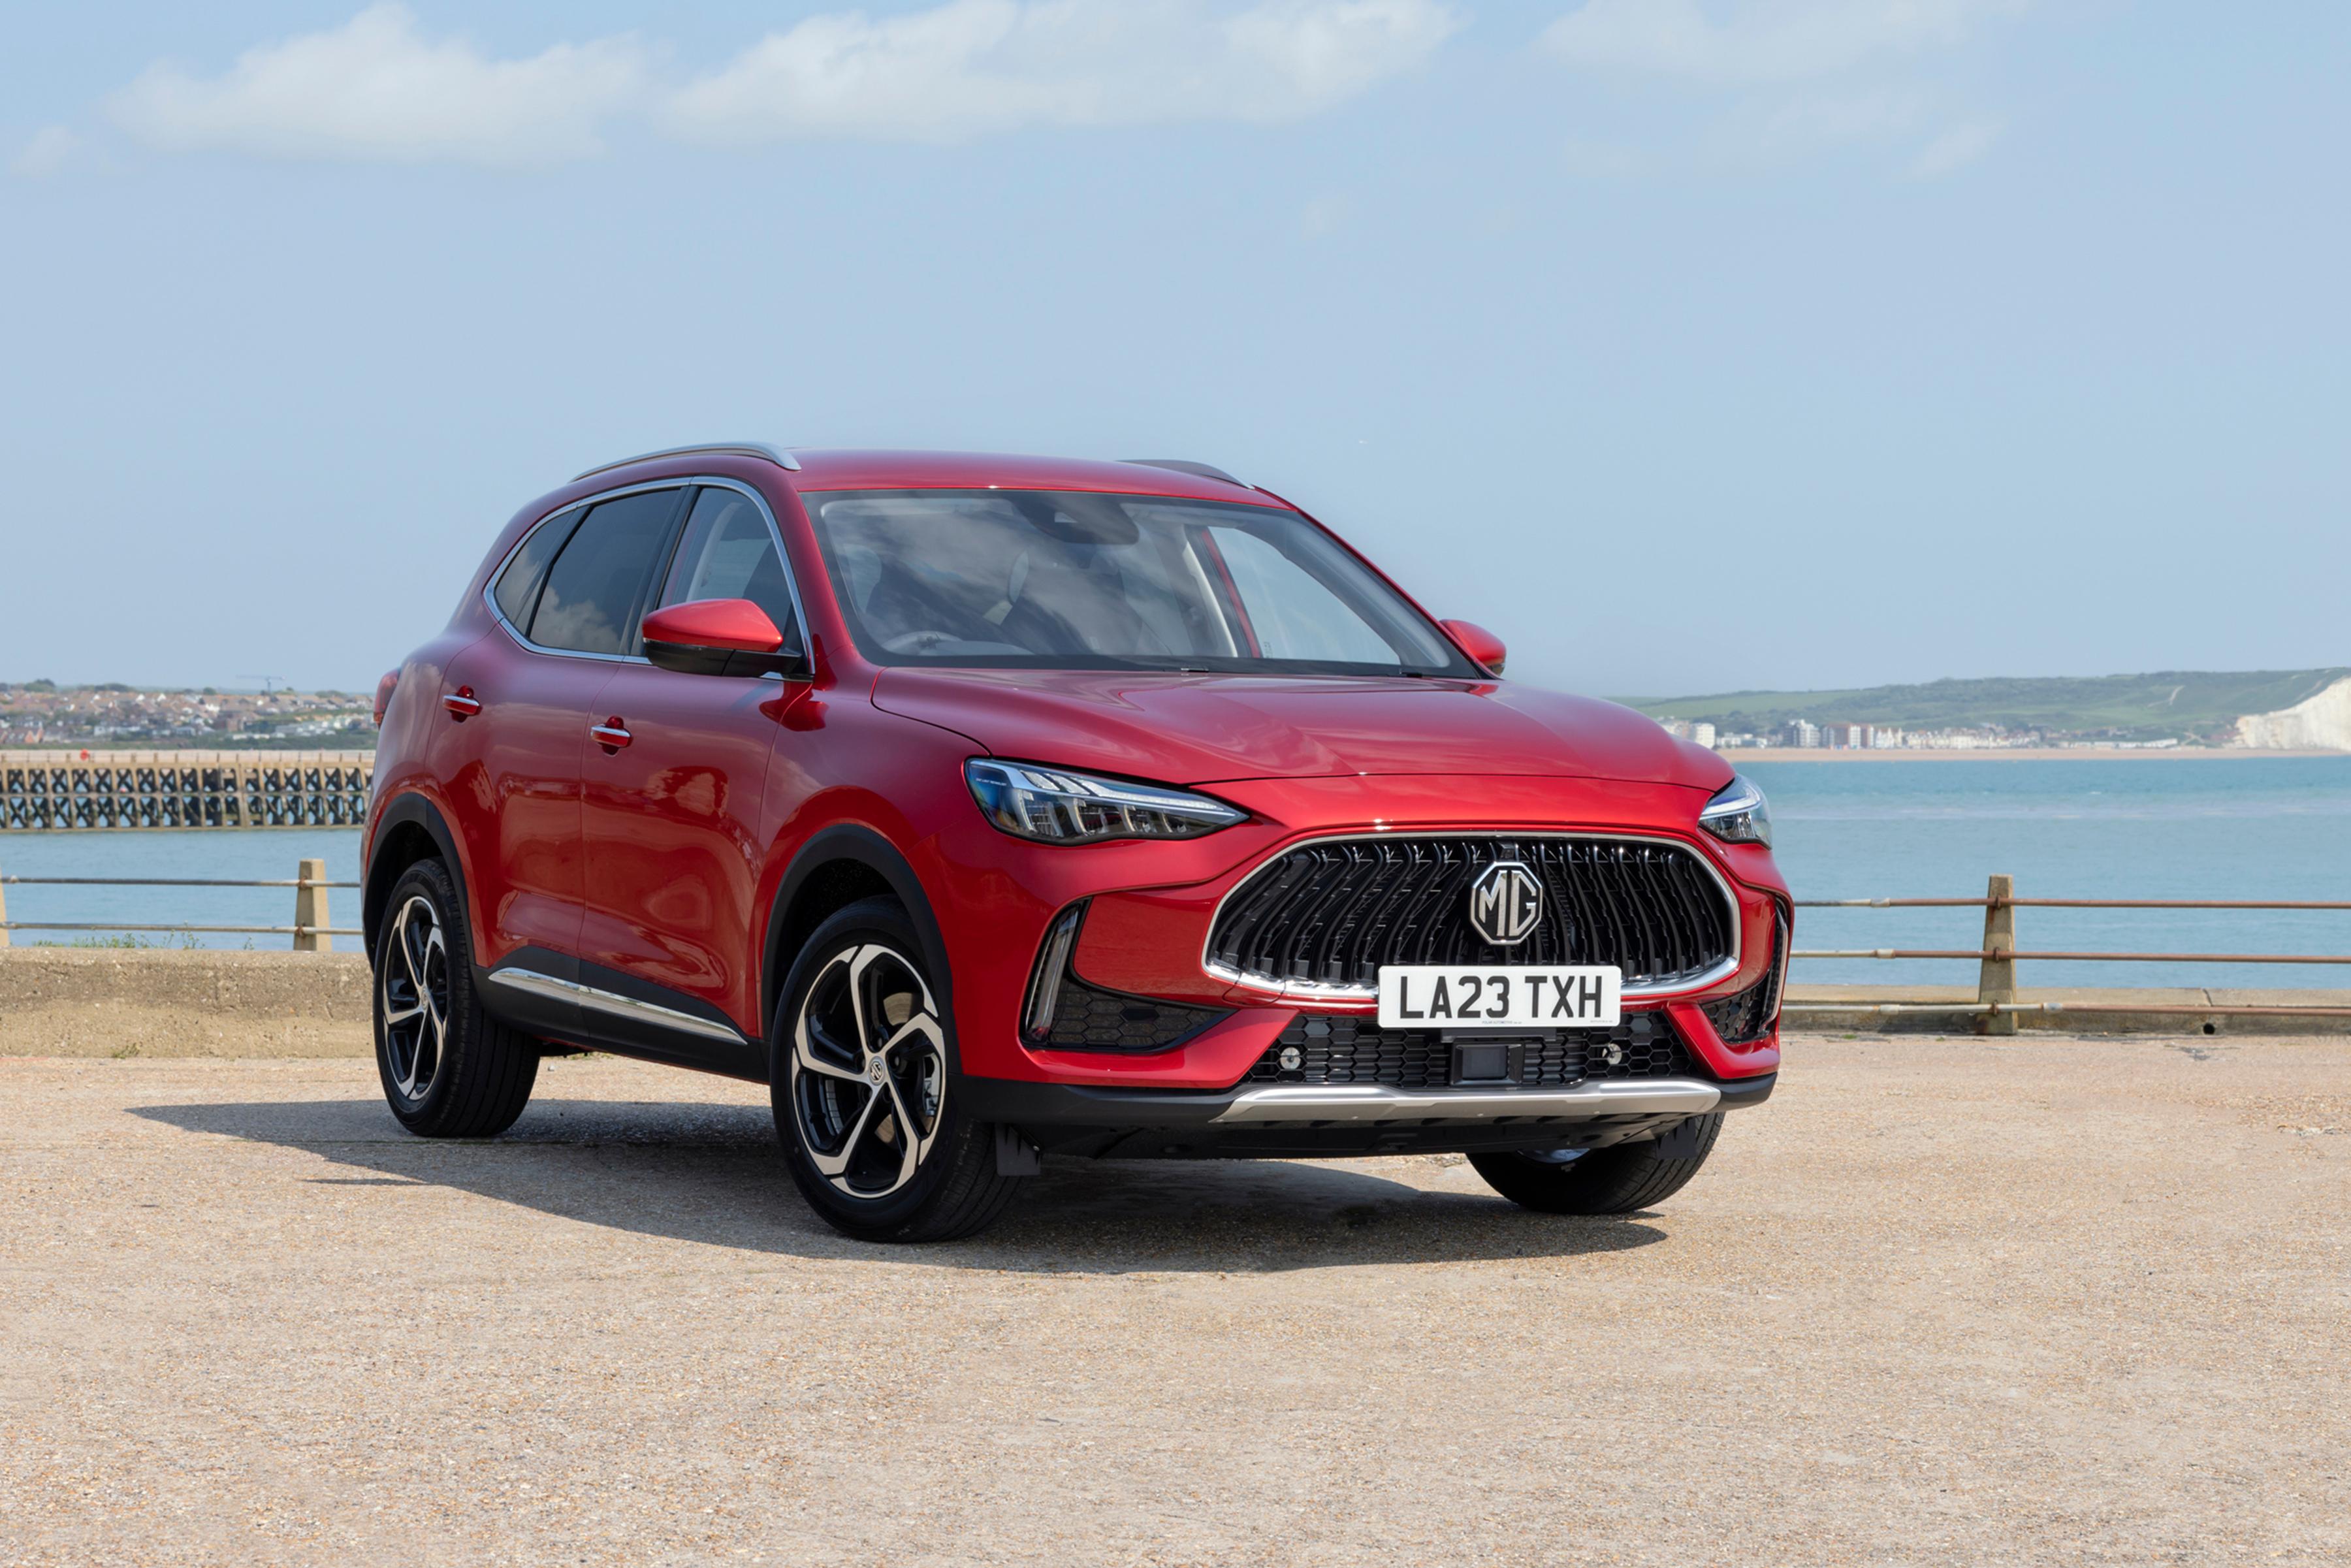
{"x":532,"y":981}
{"x":1378,"y":1102}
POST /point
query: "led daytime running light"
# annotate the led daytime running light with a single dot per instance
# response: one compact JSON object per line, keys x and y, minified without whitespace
{"x":1738,"y":814}
{"x":1051,"y":805}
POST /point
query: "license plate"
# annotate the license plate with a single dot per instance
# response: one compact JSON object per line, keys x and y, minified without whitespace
{"x":1439,"y":995}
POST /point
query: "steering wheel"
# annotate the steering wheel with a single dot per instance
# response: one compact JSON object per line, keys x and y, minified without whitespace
{"x":921,"y":641}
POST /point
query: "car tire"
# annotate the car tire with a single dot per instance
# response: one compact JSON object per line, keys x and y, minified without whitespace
{"x":1618,"y":1179}
{"x":861,"y":1075}
{"x":449,"y":1070}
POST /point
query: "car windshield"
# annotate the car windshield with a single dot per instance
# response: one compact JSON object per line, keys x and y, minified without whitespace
{"x":1077,"y":581}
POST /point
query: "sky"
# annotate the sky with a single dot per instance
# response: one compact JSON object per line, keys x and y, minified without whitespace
{"x":1688,"y":345}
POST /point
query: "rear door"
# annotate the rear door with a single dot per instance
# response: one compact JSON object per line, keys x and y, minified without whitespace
{"x":673,"y":802}
{"x":523,"y":703}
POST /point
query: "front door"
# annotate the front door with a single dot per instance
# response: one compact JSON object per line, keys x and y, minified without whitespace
{"x":672,"y":810}
{"x":521,"y":702}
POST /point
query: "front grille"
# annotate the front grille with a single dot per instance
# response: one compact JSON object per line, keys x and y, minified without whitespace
{"x":1087,"y":1018}
{"x":1356,"y":1050}
{"x":1748,"y":1017}
{"x":1330,"y":913}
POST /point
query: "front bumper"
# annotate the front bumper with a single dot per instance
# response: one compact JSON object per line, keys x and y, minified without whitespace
{"x":1298,"y":1120}
{"x":1151,"y":908}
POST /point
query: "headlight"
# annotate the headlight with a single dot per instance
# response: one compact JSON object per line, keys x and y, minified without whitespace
{"x":1738,"y":814}
{"x":1056,"y":807}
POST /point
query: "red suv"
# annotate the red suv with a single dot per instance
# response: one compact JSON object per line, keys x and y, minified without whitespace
{"x":983,"y":807}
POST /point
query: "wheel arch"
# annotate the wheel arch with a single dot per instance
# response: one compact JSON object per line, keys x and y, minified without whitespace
{"x":410,"y":829}
{"x":835,"y":868}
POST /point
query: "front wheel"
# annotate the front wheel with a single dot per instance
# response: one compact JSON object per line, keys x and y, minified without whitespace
{"x":449,"y":1070}
{"x":861,"y":1073}
{"x":1618,"y":1179}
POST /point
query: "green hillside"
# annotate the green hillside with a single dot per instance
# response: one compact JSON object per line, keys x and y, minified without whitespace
{"x":2190,"y":704}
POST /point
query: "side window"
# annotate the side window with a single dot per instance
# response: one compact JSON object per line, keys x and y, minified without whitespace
{"x":728,"y":553}
{"x":517,"y":588}
{"x":589,"y":605}
{"x":1292,"y":614}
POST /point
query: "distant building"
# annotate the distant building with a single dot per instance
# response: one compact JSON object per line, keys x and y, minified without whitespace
{"x":1805,"y":734}
{"x":1845,"y":736}
{"x":1702,"y":733}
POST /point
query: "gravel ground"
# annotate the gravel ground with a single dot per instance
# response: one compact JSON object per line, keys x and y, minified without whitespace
{"x":1941,"y":1301}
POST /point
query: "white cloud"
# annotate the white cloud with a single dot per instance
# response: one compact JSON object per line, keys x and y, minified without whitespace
{"x":1325,"y":217}
{"x":1955,"y":148}
{"x":1810,"y":121}
{"x":972,"y":66}
{"x":1778,"y":80}
{"x":1760,"y":40}
{"x":376,"y":88}
{"x":1590,"y":158}
{"x":50,"y":149}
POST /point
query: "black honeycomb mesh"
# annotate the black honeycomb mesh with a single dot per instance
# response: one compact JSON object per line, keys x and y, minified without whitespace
{"x":1748,"y":1017}
{"x":1087,"y":1018}
{"x":1340,"y":1050}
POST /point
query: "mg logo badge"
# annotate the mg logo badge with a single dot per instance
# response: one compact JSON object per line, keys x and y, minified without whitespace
{"x":1506,"y":904}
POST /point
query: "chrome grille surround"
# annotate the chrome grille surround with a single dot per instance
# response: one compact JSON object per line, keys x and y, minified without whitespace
{"x":1401,"y":906}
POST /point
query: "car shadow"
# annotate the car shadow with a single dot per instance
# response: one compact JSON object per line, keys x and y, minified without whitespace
{"x":710,"y":1173}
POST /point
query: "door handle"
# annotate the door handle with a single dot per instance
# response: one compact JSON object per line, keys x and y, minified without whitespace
{"x":612,"y":734}
{"x":462,"y":704}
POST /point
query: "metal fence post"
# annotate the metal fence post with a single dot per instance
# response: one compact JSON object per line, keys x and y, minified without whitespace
{"x":4,"y":915}
{"x":1998,"y":980}
{"x":311,"y":910}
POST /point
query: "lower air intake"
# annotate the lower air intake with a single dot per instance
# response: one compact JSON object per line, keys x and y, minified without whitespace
{"x":1351,"y":1051}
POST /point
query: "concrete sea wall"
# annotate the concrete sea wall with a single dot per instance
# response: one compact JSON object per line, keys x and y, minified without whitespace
{"x":81,"y":1001}
{"x":108,"y":1002}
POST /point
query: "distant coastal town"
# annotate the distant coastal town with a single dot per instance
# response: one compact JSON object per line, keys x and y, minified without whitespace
{"x":1801,"y":735}
{"x":2200,"y":712}
{"x":2203,"y":711}
{"x":42,"y":714}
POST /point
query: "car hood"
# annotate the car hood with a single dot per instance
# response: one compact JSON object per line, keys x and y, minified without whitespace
{"x":1202,"y":728}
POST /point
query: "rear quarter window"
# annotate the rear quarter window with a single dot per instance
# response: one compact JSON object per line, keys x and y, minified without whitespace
{"x":517,"y":591}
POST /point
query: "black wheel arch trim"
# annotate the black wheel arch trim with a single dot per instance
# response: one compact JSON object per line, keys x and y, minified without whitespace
{"x":406,"y":809}
{"x":855,"y":842}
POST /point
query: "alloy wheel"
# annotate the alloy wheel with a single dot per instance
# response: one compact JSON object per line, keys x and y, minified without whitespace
{"x":415,"y":997}
{"x":869,"y":1070}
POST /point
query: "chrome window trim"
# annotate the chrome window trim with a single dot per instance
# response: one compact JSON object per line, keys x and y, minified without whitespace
{"x":706,"y":481}
{"x":532,"y":982}
{"x":1322,"y":991}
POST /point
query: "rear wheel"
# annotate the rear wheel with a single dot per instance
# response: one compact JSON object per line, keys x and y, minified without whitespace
{"x":1615,"y":1180}
{"x":862,"y":1072}
{"x":449,"y":1070}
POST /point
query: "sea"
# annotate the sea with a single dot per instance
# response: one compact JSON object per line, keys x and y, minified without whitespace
{"x":2103,"y":828}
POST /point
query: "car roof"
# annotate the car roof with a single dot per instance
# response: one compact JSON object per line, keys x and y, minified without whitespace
{"x":831,"y":468}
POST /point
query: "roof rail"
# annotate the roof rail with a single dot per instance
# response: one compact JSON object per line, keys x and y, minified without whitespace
{"x":775,"y":454}
{"x":1186,"y":466}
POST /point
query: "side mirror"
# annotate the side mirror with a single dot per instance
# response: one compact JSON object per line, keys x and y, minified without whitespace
{"x":1477,"y":642}
{"x":721,"y":637}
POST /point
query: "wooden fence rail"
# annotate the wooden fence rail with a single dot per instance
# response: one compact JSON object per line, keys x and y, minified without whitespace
{"x":311,"y":930}
{"x":1996,"y":1006}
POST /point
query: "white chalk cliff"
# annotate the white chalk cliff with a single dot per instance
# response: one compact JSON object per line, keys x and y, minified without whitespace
{"x":2319,"y":723}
